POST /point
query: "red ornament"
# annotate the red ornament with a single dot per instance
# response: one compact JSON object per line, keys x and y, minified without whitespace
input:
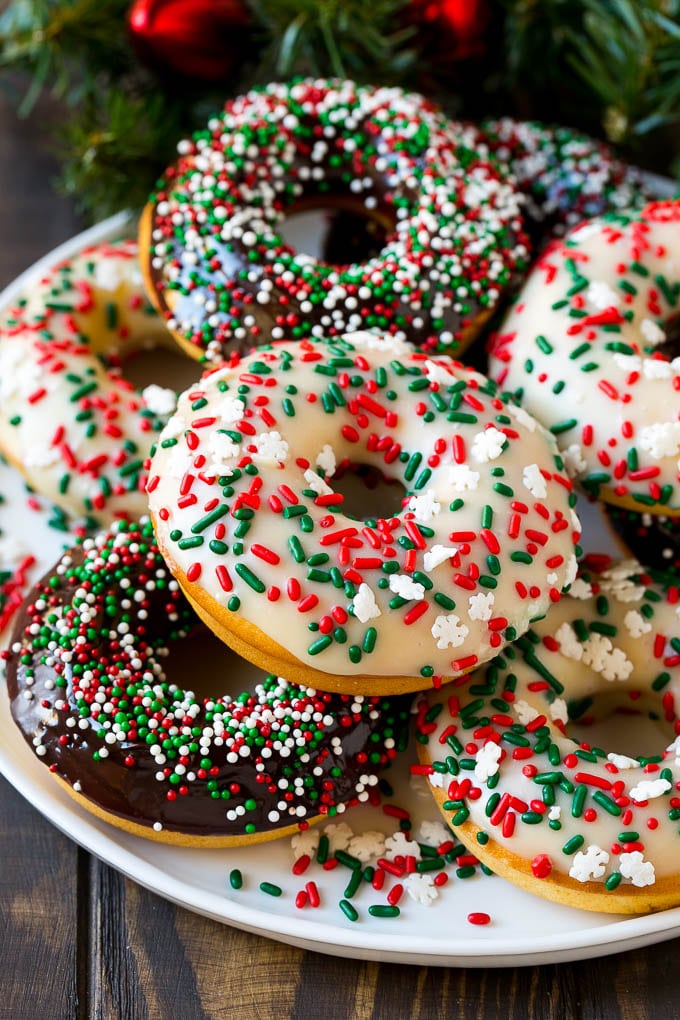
{"x":201,"y":39}
{"x":458,"y":27}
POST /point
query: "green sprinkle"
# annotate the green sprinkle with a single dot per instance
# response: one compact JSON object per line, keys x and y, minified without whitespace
{"x":235,"y":879}
{"x":350,"y":912}
{"x":271,"y":889}
{"x":383,"y":910}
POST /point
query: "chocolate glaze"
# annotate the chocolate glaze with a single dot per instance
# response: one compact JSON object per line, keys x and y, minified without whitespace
{"x":356,"y":739}
{"x":453,"y":234}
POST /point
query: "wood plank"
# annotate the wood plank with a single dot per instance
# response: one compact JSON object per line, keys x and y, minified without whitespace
{"x":39,"y":878}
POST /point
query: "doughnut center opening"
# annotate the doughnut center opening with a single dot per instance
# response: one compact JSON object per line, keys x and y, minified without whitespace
{"x":622,"y":723}
{"x":205,"y":665}
{"x":368,"y":493}
{"x":670,"y":348}
{"x":337,"y":236}
{"x":160,"y":365}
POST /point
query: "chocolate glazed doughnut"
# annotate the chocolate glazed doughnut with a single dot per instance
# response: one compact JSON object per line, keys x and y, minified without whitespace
{"x":219,"y":269}
{"x":87,"y":676}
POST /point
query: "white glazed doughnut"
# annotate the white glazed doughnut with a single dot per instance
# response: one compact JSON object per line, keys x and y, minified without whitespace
{"x":582,"y":350}
{"x":75,"y":428}
{"x":241,"y":492}
{"x":595,"y":828}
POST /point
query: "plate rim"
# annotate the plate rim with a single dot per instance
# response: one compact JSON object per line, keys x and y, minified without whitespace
{"x":619,"y":934}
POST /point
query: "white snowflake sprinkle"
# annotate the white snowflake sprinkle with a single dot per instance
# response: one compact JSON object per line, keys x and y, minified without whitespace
{"x":364,"y":605}
{"x":421,"y":888}
{"x":570,"y":646}
{"x":159,"y":399}
{"x":438,"y":554}
{"x":662,"y":439}
{"x":652,"y":332}
{"x":339,"y":834}
{"x":635,"y":623}
{"x":399,"y":845}
{"x":573,"y":460}
{"x":406,"y":587}
{"x":487,"y":762}
{"x":488,"y":445}
{"x":589,"y":864}
{"x":366,"y":845}
{"x":316,"y":483}
{"x":230,"y":410}
{"x":524,"y":711}
{"x":270,"y":447}
{"x":462,"y":478}
{"x":622,"y":761}
{"x":534,"y":481}
{"x":480,"y":606}
{"x":325,"y":459}
{"x":648,"y":789}
{"x":424,"y":506}
{"x":601,"y":295}
{"x":448,"y":631}
{"x":632,"y":865}
{"x":305,"y":843}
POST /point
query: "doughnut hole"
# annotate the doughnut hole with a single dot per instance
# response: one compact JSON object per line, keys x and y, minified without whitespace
{"x":148,"y":364}
{"x":625,"y":721}
{"x":335,"y":235}
{"x":205,"y":665}
{"x":368,"y":492}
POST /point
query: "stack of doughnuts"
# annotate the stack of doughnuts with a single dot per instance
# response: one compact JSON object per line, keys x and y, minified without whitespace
{"x":466,"y":590}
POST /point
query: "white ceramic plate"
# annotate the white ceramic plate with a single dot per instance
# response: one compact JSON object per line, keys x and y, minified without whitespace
{"x":522,"y":929}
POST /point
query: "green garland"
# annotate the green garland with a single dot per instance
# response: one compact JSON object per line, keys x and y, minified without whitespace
{"x":611,"y":67}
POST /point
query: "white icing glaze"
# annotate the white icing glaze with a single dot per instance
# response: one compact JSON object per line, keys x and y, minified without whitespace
{"x":589,"y":367}
{"x":592,"y":801}
{"x":431,"y":590}
{"x":79,"y":431}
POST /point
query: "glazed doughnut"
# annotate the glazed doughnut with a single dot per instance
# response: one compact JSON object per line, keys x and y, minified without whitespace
{"x":75,"y":429}
{"x":220,"y":271}
{"x":90,"y":678}
{"x":583,"y":350}
{"x":242,"y":494}
{"x":566,"y":176}
{"x":561,"y":817}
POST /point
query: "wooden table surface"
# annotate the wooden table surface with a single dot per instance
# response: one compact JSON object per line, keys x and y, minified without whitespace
{"x":78,"y":940}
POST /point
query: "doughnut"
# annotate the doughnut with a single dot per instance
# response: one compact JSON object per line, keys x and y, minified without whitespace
{"x":583,"y":350}
{"x":564,"y":175}
{"x":652,"y":537}
{"x":223,"y":275}
{"x":590,"y":826}
{"x":264,"y":543}
{"x":90,"y":673}
{"x":69,"y":421}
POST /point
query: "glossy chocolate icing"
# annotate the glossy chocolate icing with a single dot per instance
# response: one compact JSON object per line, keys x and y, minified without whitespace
{"x":339,"y":744}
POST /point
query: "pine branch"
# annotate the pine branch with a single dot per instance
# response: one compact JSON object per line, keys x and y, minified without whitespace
{"x":343,"y":38}
{"x":630,"y":58}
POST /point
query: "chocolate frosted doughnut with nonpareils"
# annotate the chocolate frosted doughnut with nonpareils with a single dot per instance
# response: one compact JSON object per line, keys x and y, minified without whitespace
{"x":585,"y":350}
{"x":70,"y":422}
{"x":221,"y":272}
{"x":557,"y":814}
{"x":90,"y":680}
{"x":565,"y":176}
{"x":248,"y":514}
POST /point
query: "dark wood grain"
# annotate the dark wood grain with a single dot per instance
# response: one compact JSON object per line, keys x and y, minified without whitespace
{"x":78,"y":941}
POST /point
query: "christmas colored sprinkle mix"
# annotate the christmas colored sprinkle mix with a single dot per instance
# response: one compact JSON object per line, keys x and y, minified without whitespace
{"x":502,"y":758}
{"x":247,"y":506}
{"x":227,"y":279}
{"x":566,"y":176}
{"x":79,"y":429}
{"x":587,"y":349}
{"x":87,"y":659}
